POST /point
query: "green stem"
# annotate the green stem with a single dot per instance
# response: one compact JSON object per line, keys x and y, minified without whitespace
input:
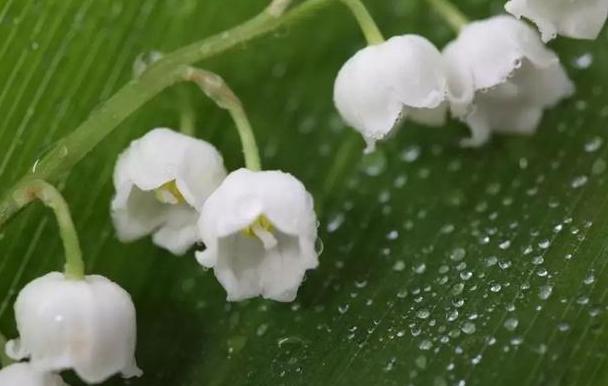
{"x":163,"y":73}
{"x":450,"y":13}
{"x":187,"y":115}
{"x":366,"y":21}
{"x":216,"y":88}
{"x":5,"y":360}
{"x":52,"y":198}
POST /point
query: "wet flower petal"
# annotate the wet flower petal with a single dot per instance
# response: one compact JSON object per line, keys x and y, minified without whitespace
{"x":508,"y":76}
{"x":161,"y":182}
{"x":23,"y":374}
{"x":85,"y":325}
{"x":402,"y":78}
{"x":580,"y":19}
{"x":260,"y":230}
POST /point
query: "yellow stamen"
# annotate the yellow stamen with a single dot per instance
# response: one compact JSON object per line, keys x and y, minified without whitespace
{"x":168,"y":193}
{"x":261,"y":222}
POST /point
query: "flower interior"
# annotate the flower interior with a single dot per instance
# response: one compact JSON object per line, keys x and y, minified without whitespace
{"x":261,"y":229}
{"x":168,"y":193}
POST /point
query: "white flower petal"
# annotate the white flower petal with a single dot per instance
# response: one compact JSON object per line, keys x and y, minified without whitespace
{"x":252,"y":258}
{"x":500,"y":66}
{"x":85,"y":325}
{"x":23,"y":374}
{"x":179,"y":231}
{"x":580,"y":19}
{"x":383,"y":83}
{"x":163,"y":156}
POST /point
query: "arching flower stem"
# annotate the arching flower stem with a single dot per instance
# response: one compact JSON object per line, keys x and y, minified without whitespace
{"x":450,"y":13}
{"x":216,"y":88}
{"x":366,"y":22}
{"x":51,"y":197}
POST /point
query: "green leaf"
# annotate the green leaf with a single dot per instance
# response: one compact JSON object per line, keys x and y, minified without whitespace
{"x":442,"y":266}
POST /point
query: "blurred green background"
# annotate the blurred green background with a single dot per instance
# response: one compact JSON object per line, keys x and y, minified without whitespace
{"x":441,"y":266}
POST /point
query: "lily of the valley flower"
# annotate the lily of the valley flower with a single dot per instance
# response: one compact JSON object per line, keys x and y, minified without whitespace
{"x":508,"y":74}
{"x":260,"y":230}
{"x":402,"y":78}
{"x":580,"y":19}
{"x":24,"y":374}
{"x":85,"y":325}
{"x":161,"y":182}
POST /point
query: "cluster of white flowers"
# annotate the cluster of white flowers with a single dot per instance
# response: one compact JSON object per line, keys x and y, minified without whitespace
{"x":259,"y":227}
{"x":496,"y":76}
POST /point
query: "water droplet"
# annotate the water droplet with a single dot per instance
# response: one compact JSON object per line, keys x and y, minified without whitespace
{"x":423,"y":314}
{"x":457,"y":289}
{"x":399,"y":266}
{"x":495,"y":287}
{"x":544,"y":244}
{"x":452,"y":316}
{"x":583,"y":62}
{"x":563,"y":327}
{"x":516,"y":341}
{"x":545,"y":291}
{"x":374,"y":164}
{"x":392,"y":235}
{"x":425,"y":345}
{"x":468,"y":328}
{"x":261,"y":330}
{"x":492,"y":260}
{"x":410,"y":154}
{"x":589,"y":279}
{"x":511,"y":324}
{"x":579,"y":181}
{"x":421,"y":362}
{"x":593,"y":144}
{"x":144,"y":60}
{"x":466,"y":275}
{"x":504,"y":245}
{"x":335,"y":222}
{"x":420,"y":268}
{"x":538,"y":260}
{"x":458,"y":254}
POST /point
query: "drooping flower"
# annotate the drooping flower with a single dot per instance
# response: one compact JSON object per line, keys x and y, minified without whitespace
{"x":86,"y":325}
{"x":402,"y":78}
{"x":260,"y":230}
{"x":161,"y":182}
{"x":24,"y":374}
{"x":508,"y":74}
{"x":580,"y":19}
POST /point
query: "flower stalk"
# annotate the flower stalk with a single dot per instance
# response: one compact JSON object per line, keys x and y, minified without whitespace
{"x":216,"y":88}
{"x":450,"y":13}
{"x":366,"y":21}
{"x":51,"y":197}
{"x":165,"y":72}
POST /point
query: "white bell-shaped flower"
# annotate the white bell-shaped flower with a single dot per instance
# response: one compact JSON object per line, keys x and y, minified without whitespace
{"x":161,"y":182}
{"x":260,"y":230}
{"x":508,"y":76}
{"x":402,"y":78}
{"x":86,"y":325}
{"x":580,"y":19}
{"x":24,"y":374}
